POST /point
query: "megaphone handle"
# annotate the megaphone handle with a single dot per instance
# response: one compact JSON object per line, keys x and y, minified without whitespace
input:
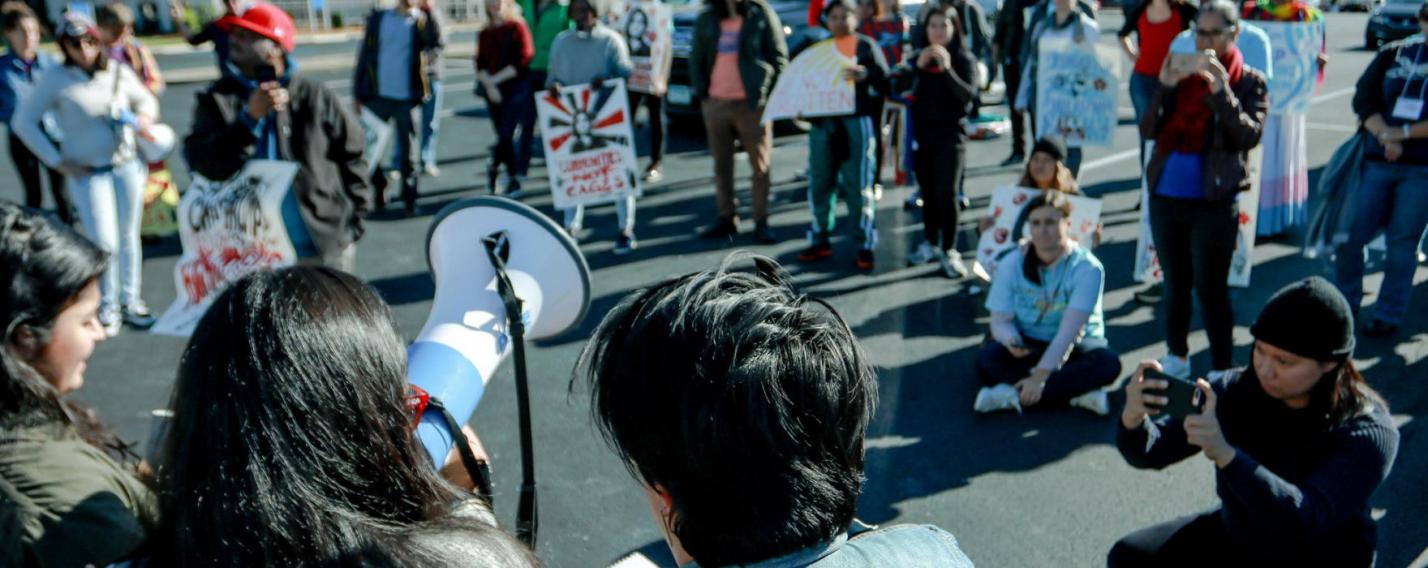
{"x":479,"y":470}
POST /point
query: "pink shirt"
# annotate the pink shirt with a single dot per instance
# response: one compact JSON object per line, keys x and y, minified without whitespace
{"x":725,"y":83}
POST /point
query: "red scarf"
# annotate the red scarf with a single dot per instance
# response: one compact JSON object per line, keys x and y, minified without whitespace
{"x":1186,"y":129}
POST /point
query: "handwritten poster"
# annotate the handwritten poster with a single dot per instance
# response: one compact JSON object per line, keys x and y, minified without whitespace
{"x":813,"y":85}
{"x":589,"y":144}
{"x":648,"y":27}
{"x":1076,"y":89}
{"x":1294,"y":52}
{"x":1147,"y":262}
{"x":1008,"y":213}
{"x":229,"y":229}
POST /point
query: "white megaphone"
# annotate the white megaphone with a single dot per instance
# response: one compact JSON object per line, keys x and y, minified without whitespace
{"x":466,"y":336}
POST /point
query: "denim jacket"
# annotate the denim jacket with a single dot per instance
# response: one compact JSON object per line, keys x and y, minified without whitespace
{"x":863,"y":546}
{"x":15,"y":84}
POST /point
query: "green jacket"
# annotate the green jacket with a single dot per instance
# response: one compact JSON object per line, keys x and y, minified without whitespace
{"x":763,"y":51}
{"x":64,"y":503}
{"x":553,"y":19}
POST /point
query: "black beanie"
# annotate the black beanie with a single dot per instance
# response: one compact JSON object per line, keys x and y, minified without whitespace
{"x":1052,"y":145}
{"x":1309,"y":318}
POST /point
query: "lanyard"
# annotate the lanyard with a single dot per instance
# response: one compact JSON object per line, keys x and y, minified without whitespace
{"x":1413,"y":74}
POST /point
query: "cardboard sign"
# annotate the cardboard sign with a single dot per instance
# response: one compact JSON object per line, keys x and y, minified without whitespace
{"x":1294,"y":53}
{"x":1076,"y":89}
{"x":648,"y":28}
{"x":229,"y":229}
{"x":1008,"y":213}
{"x":589,"y":144}
{"x":813,"y":85}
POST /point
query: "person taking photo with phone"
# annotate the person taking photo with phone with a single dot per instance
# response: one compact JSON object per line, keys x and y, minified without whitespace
{"x":1299,"y":441}
{"x":261,"y":111}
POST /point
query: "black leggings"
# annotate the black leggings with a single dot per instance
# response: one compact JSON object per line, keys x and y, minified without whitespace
{"x":1202,"y":540}
{"x":654,"y":104}
{"x":939,"y":162}
{"x":29,"y":167}
{"x":1195,"y":241}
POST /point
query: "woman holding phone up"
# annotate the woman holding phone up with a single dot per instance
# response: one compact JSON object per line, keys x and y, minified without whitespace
{"x":1298,"y":439}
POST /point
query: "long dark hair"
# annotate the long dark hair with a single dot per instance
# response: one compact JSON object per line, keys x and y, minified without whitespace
{"x":954,"y":21}
{"x":721,"y":8}
{"x":1031,"y":262}
{"x":49,"y":265}
{"x":291,"y":443}
{"x":101,"y":61}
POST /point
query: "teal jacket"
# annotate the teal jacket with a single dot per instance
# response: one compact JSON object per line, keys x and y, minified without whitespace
{"x":763,"y":51}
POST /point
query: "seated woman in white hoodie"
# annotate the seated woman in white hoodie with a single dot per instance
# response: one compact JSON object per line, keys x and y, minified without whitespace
{"x":1048,"y":343}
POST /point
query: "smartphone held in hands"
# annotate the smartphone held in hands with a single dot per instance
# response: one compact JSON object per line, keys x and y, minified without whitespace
{"x":1189,"y":63}
{"x":1184,"y":397}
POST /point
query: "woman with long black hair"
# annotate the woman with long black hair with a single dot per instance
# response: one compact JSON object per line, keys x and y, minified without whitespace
{"x":1298,"y":438}
{"x":292,"y":441}
{"x":945,"y":76}
{"x":65,"y":500}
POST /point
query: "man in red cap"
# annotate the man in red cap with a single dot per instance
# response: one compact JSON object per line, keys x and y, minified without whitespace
{"x":265,"y":112}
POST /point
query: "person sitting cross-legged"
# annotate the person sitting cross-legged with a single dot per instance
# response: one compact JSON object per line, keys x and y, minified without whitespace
{"x":1048,"y":336}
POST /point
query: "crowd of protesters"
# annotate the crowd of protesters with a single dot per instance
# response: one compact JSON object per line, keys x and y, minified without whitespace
{"x":210,"y":498}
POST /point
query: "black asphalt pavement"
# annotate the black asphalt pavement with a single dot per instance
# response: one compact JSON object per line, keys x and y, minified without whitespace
{"x":1040,"y":489}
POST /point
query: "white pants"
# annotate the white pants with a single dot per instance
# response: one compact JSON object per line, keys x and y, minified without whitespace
{"x":111,"y":206}
{"x":624,"y":215}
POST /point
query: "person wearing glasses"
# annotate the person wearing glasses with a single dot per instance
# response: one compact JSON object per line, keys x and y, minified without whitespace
{"x":1204,"y":124}
{"x":1393,"y":190}
{"x":100,"y":106}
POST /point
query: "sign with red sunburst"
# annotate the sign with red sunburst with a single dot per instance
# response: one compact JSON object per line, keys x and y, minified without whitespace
{"x":589,"y":144}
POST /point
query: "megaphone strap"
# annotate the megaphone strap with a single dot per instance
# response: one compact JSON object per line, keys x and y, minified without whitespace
{"x":478,"y":469}
{"x":527,"y":518}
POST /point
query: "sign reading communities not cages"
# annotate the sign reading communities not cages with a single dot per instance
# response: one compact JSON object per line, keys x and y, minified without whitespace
{"x":589,"y":144}
{"x":1076,"y":89}
{"x":229,"y":229}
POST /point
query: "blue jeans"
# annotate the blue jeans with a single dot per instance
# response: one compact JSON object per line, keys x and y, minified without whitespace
{"x":426,"y":131}
{"x":110,"y":204}
{"x":1394,"y":198}
{"x":1142,"y":89}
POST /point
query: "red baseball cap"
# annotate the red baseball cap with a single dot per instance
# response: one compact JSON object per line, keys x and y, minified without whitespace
{"x":265,"y":20}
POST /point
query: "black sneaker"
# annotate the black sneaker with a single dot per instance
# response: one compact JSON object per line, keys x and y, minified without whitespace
{"x":723,"y":228}
{"x":864,"y":261}
{"x":763,"y":236}
{"x":1014,"y":160}
{"x":625,"y":244}
{"x":1151,"y":294}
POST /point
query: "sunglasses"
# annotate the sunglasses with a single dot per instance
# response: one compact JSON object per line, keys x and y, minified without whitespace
{"x":1212,"y":34}
{"x":417,"y":400}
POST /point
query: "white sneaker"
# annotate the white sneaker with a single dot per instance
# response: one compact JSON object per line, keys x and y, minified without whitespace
{"x":111,"y":322}
{"x":1000,"y":397}
{"x":1178,"y":367}
{"x":922,"y":255}
{"x":952,"y":264}
{"x":1095,"y":401}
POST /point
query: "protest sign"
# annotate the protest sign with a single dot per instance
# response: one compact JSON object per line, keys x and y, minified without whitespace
{"x":229,"y":229}
{"x":1008,"y":213}
{"x":589,"y":144}
{"x":1147,"y":262}
{"x":648,"y":26}
{"x":813,"y":85}
{"x":1076,"y":89}
{"x":1294,"y":52}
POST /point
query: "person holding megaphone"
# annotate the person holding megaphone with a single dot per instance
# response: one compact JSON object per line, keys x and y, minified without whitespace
{"x":293,"y":440}
{"x":1298,"y":438}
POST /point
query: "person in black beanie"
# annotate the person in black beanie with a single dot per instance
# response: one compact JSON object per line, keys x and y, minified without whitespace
{"x":1299,"y":441}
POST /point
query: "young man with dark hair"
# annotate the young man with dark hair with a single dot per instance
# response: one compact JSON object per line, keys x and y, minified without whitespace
{"x":741,"y":406}
{"x":19,"y":68}
{"x":263,"y":111}
{"x":392,"y":81}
